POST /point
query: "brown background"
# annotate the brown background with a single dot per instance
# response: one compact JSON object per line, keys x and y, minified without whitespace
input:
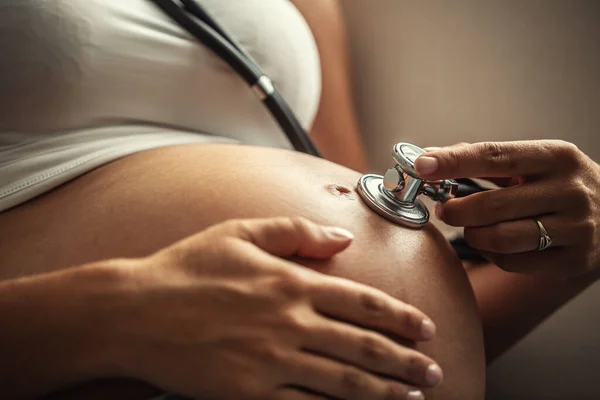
{"x":436,"y":72}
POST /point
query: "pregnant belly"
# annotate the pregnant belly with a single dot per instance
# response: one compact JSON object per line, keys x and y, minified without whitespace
{"x":143,"y":202}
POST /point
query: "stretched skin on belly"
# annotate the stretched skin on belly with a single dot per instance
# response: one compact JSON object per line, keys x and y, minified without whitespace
{"x":141,"y":203}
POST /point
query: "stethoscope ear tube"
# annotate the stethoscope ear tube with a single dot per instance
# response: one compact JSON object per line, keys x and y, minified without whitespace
{"x":211,"y":38}
{"x":467,"y":187}
{"x":288,"y":122}
{"x":203,"y":15}
{"x":194,"y":19}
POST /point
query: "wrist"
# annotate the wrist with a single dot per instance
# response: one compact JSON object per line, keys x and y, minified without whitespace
{"x":104,"y":291}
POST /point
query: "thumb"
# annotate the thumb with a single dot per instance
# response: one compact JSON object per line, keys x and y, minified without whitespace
{"x":285,"y":237}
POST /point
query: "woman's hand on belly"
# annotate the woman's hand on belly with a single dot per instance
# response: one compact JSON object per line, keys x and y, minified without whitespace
{"x":218,"y":316}
{"x":145,"y":202}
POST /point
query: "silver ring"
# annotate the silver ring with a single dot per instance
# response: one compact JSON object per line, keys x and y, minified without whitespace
{"x":545,"y":240}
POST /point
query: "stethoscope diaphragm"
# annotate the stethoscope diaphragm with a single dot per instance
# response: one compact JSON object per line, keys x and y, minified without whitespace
{"x":373,"y":192}
{"x":394,"y":195}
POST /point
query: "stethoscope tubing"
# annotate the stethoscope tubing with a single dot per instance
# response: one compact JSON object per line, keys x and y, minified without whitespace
{"x":198,"y":22}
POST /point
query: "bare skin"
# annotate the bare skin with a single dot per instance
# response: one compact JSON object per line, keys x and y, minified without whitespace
{"x":500,"y":294}
{"x":142,"y":203}
{"x":224,"y":299}
{"x":94,"y":230}
{"x":511,"y":304}
{"x":501,"y":224}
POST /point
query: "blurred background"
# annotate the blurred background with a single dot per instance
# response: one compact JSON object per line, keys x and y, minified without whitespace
{"x":438,"y":72}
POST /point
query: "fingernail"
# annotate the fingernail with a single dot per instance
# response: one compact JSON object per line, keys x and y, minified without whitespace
{"x":433,"y":148}
{"x":426,"y":165}
{"x":427,"y":329}
{"x":433,"y":376}
{"x":338,"y":233}
{"x":415,"y":395}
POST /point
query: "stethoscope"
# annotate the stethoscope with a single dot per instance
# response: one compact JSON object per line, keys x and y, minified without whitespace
{"x":394,"y":196}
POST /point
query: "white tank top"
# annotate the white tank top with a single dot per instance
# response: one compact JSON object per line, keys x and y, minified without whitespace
{"x":83,"y":82}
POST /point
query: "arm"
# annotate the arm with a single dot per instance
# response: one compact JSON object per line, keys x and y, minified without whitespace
{"x":502,"y":225}
{"x":512,"y":305}
{"x":54,"y":329}
{"x":335,"y":130}
{"x":145,"y":320}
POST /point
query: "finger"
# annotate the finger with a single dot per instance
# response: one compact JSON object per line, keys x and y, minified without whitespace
{"x":346,"y":382}
{"x":373,"y":352}
{"x":502,"y":182}
{"x":491,"y":159}
{"x":521,"y":235}
{"x":295,"y":394}
{"x":285,"y":237}
{"x":494,"y":206}
{"x":366,"y":306}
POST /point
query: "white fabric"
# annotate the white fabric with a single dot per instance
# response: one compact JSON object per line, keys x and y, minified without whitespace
{"x":83,"y":82}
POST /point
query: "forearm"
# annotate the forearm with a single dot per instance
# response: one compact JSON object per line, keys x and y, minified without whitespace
{"x":55,"y":329}
{"x":512,"y":305}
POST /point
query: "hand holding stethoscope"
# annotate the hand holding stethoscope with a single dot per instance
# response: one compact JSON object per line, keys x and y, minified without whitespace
{"x":546,"y":221}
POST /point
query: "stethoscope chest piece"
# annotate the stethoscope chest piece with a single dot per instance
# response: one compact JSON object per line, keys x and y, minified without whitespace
{"x":394,"y":195}
{"x":379,"y":199}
